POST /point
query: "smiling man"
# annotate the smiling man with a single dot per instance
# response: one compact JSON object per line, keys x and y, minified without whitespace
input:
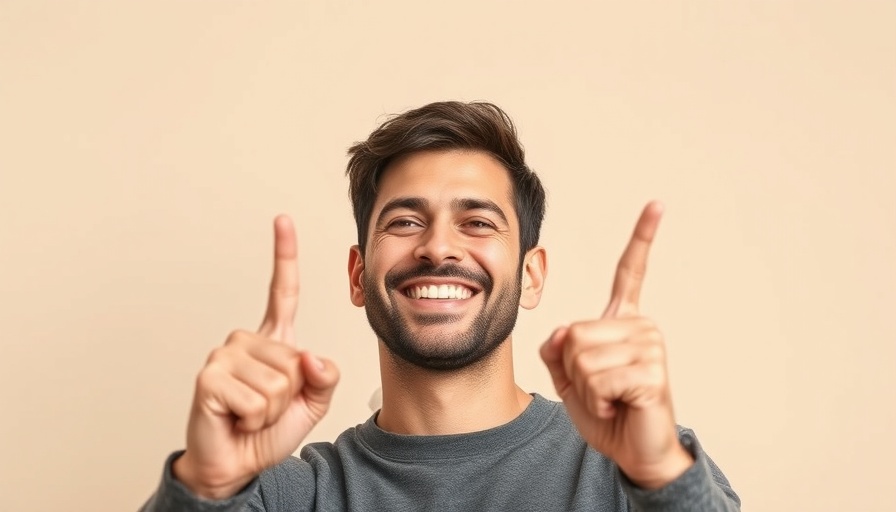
{"x":448,"y":217}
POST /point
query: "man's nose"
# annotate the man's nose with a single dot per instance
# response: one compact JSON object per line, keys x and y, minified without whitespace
{"x":440,"y":243}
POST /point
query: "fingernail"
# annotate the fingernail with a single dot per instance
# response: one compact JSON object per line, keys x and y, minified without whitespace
{"x":318,"y":363}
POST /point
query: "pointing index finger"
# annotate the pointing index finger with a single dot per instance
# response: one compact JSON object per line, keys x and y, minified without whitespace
{"x":283,"y":299}
{"x":633,"y":264}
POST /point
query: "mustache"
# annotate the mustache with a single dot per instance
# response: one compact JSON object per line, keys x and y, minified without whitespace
{"x":448,"y":270}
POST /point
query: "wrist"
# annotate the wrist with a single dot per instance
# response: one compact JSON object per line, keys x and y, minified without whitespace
{"x":186,"y":472}
{"x":664,"y":472}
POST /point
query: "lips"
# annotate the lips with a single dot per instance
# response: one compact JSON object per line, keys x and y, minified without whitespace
{"x":445,"y":282}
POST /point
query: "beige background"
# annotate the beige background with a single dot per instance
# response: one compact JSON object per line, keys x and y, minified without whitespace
{"x":146,"y":146}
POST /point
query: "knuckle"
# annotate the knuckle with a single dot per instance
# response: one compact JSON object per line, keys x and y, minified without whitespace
{"x":647,"y":323}
{"x":336,"y":375}
{"x":575,"y":330}
{"x":655,"y":376}
{"x":256,"y":405}
{"x":279,"y":385}
{"x":206,"y":379}
{"x":657,"y":385}
{"x":285,"y":291}
{"x":627,"y":272}
{"x":236,"y":337}
{"x":216,"y":355}
{"x":577,"y":335}
{"x":210,"y":379}
{"x":580,"y":366}
{"x":655,"y":352}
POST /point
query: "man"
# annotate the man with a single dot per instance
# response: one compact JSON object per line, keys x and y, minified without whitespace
{"x":448,"y":218}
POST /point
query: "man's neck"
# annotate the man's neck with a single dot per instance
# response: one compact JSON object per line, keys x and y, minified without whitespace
{"x":423,"y":402}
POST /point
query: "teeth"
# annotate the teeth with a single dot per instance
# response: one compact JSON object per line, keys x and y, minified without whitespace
{"x":444,"y":291}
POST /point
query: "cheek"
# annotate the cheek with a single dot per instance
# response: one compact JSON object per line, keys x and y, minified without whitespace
{"x":497,"y":258}
{"x":389,"y":248}
{"x":383,"y":256}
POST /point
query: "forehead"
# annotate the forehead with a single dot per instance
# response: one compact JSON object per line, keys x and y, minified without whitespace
{"x":442,"y":176}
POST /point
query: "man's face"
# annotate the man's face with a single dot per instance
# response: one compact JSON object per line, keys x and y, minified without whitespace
{"x":441,"y":278}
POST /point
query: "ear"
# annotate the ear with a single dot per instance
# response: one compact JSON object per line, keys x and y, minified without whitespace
{"x":535,"y":270}
{"x":356,"y":275}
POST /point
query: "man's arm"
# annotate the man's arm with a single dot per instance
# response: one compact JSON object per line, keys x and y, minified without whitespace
{"x":173,"y":496}
{"x":611,"y":374}
{"x":256,"y":399}
{"x":702,"y":487}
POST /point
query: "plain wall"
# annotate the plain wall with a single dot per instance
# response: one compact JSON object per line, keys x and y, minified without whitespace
{"x":146,"y":146}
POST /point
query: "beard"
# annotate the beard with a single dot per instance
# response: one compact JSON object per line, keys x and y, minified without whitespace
{"x":446,"y":351}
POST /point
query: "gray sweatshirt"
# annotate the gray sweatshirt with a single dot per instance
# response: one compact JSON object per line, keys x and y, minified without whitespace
{"x":536,"y":462}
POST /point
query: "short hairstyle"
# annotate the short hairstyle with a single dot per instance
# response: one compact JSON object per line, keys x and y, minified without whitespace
{"x":444,"y":126}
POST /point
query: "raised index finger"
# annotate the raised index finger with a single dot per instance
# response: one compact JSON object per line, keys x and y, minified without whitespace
{"x":283,"y":299}
{"x":633,"y":263}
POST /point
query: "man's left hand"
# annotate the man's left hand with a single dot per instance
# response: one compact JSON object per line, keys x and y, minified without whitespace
{"x":611,"y":375}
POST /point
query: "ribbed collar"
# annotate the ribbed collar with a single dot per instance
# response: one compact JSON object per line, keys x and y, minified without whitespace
{"x":410,"y":448}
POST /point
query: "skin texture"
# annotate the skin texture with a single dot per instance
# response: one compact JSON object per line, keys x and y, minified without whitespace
{"x":440,"y":217}
{"x":611,"y":374}
{"x":419,"y":238}
{"x":258,"y":396}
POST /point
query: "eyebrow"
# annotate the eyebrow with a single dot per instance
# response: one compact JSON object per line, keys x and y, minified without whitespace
{"x":468,"y":203}
{"x":462,"y":204}
{"x":403,"y":203}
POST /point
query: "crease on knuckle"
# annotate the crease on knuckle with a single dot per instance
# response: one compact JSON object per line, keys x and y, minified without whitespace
{"x":630,"y":271}
{"x":285,"y":291}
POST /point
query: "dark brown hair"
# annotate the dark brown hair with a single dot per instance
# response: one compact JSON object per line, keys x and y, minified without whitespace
{"x":446,"y":125}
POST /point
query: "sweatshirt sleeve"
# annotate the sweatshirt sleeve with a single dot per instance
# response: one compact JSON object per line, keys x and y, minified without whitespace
{"x":702,"y":488}
{"x":173,"y":496}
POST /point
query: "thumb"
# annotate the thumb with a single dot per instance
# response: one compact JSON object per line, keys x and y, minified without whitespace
{"x":552,"y":354}
{"x":321,"y":377}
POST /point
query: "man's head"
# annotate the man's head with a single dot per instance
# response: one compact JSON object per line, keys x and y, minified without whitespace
{"x":448,"y":218}
{"x":442,"y":126}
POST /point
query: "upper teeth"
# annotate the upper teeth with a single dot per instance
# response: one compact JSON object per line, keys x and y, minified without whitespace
{"x":443,"y":291}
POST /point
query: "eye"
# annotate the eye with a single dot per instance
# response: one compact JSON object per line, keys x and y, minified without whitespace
{"x":479,"y":225}
{"x":403,"y":225}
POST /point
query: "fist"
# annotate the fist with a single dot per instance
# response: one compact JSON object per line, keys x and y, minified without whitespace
{"x":611,"y":374}
{"x":258,"y":396}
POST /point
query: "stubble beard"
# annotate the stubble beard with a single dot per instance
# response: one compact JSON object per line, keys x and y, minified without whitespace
{"x":445,"y":351}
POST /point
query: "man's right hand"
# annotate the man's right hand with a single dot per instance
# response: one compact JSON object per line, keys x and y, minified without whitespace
{"x":258,"y":396}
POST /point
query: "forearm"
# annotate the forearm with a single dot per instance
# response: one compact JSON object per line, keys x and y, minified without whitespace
{"x":174,"y":496}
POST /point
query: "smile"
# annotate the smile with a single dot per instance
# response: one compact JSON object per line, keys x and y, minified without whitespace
{"x":438,"y":291}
